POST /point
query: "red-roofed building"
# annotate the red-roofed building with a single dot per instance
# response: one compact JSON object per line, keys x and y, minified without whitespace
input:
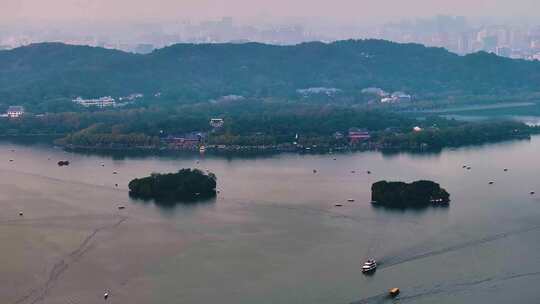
{"x":358,"y":135}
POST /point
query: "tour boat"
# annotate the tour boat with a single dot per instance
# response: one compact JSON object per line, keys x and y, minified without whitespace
{"x":202,"y":149}
{"x":369,"y":266}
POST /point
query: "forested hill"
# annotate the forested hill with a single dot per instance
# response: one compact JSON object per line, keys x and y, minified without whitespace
{"x":189,"y":72}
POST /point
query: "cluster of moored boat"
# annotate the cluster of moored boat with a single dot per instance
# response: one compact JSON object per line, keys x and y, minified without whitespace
{"x":493,"y":182}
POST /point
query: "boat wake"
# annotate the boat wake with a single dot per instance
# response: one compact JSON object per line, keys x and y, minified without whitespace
{"x":39,"y":294}
{"x":412,"y":255}
{"x":380,"y":298}
{"x":445,"y":289}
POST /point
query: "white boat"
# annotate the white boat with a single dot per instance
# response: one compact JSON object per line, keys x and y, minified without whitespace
{"x":369,"y":266}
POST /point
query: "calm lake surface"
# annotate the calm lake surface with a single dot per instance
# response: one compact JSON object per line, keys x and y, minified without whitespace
{"x":273,"y":234}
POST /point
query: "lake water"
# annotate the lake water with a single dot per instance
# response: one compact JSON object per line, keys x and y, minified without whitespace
{"x":273,"y":234}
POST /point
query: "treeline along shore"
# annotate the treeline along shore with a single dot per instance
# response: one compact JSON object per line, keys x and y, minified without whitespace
{"x":269,"y":128}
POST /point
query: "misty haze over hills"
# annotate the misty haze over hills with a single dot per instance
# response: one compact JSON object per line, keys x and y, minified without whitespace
{"x":456,"y":33}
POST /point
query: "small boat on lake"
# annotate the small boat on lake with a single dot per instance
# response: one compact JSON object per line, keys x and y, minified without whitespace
{"x":350,"y":200}
{"x":369,"y":266}
{"x":394,"y":292}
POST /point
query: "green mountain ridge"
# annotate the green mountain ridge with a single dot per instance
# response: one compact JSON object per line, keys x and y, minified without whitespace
{"x":199,"y":72}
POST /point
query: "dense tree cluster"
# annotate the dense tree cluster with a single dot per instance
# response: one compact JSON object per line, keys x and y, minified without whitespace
{"x":249,"y":123}
{"x":403,"y":195}
{"x":454,"y":135}
{"x":45,"y":77}
{"x":185,"y":185}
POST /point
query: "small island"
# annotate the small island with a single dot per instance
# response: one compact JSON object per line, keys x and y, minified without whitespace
{"x":413,"y":195}
{"x":185,"y":185}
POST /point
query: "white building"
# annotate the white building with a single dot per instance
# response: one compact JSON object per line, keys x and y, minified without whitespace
{"x":397,"y":97}
{"x":131,"y":97}
{"x":101,"y":102}
{"x":216,"y":122}
{"x":15,"y":111}
{"x":318,"y":91}
{"x":401,"y":96}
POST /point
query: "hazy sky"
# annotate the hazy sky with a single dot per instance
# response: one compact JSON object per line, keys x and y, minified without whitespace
{"x":350,"y":10}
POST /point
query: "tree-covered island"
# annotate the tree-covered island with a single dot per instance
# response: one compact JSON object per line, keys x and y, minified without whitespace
{"x":185,"y":185}
{"x":403,"y":195}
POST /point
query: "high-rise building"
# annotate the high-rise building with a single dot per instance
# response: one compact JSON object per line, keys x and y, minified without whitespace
{"x":504,"y":51}
{"x":464,"y":43}
{"x":490,"y":44}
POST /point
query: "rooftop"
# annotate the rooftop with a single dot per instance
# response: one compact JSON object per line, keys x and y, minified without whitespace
{"x":15,"y":109}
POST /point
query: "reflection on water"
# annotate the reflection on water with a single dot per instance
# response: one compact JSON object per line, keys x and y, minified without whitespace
{"x":273,"y":234}
{"x":173,"y":203}
{"x":411,"y":209}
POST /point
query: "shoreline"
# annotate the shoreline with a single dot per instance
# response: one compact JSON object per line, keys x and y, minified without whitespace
{"x":271,"y":150}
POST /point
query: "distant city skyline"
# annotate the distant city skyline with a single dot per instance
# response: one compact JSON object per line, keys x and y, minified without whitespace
{"x":357,"y":11}
{"x":497,"y":26}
